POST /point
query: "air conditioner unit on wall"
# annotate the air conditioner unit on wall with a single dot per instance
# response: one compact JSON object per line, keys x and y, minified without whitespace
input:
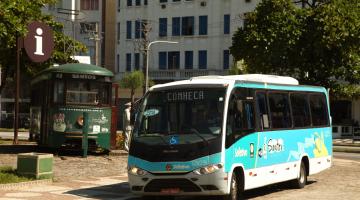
{"x":203,"y":3}
{"x":247,"y":1}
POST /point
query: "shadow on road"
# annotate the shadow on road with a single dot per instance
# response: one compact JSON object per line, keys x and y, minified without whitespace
{"x":121,"y":191}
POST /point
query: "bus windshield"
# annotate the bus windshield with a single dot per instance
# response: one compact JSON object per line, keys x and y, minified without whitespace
{"x":191,"y":115}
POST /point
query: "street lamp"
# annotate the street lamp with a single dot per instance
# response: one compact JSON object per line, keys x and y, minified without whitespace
{"x":147,"y":60}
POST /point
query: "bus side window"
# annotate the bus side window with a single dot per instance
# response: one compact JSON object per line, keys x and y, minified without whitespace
{"x":262,"y":110}
{"x":240,"y":118}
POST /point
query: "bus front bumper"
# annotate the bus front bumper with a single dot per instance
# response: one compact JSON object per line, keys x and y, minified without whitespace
{"x":177,"y":185}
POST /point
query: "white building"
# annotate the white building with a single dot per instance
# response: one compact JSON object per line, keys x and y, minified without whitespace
{"x":82,"y":20}
{"x":202,"y":28}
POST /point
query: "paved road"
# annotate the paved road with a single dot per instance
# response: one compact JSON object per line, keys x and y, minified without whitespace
{"x":339,"y":182}
{"x":348,"y":156}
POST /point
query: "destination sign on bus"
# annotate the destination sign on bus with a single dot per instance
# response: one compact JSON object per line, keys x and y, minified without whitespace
{"x":185,"y":95}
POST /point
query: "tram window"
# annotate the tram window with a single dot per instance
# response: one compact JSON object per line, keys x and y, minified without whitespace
{"x":300,"y":109}
{"x":89,"y":93}
{"x":279,"y":110}
{"x":318,"y":110}
{"x":58,"y":91}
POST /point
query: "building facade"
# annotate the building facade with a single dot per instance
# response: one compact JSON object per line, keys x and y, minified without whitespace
{"x":84,"y":21}
{"x":203,"y":31}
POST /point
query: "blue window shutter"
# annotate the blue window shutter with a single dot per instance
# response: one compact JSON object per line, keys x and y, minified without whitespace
{"x":137,"y":28}
{"x":176,"y":26}
{"x":162,"y":27}
{"x":226,"y":59}
{"x":137,"y":61}
{"x":202,"y":59}
{"x":128,"y":29}
{"x":162,"y":60}
{"x":128,"y":62}
{"x":226,"y":24}
{"x":189,"y":59}
{"x":203,"y":25}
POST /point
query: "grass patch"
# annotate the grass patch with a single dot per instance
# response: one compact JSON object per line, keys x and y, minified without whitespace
{"x":9,"y":175}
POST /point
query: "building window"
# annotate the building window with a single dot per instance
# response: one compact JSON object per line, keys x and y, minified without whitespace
{"x":137,"y":29}
{"x":88,"y":27}
{"x":189,"y":58}
{"x":117,"y":63}
{"x":203,"y":25}
{"x":162,"y":60}
{"x":137,"y":2}
{"x":89,"y":4}
{"x":246,"y":19}
{"x":145,"y":2}
{"x":163,"y":1}
{"x":202,"y":59}
{"x":128,"y":62}
{"x":162,"y":27}
{"x":128,"y":29}
{"x":174,"y":60}
{"x":129,"y":3}
{"x":226,"y":24}
{"x":226,"y":59}
{"x":119,"y":5}
{"x":187,"y":26}
{"x":137,"y":61}
{"x":176,"y":26}
{"x":118,"y":32}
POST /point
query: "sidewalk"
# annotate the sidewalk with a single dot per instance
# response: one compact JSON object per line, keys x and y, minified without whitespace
{"x":113,"y":187}
{"x":346,"y":145}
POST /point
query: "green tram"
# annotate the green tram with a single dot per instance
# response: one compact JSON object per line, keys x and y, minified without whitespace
{"x":59,"y":97}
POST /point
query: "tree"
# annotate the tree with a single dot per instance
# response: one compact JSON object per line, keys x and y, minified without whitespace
{"x":318,"y":44}
{"x":15,"y":15}
{"x":132,"y":81}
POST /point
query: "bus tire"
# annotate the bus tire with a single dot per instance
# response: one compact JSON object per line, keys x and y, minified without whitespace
{"x":301,"y":181}
{"x":236,"y":190}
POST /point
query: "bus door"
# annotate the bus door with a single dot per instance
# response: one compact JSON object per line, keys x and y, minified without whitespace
{"x":241,"y":138}
{"x":114,"y":115}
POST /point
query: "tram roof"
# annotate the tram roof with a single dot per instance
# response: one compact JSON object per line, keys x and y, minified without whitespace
{"x":78,"y":68}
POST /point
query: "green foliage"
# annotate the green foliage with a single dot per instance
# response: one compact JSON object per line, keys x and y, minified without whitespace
{"x":132,"y":81}
{"x":8,"y":175}
{"x":15,"y":15}
{"x":318,"y":44}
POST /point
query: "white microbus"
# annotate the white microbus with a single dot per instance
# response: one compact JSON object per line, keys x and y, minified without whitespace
{"x":221,"y":135}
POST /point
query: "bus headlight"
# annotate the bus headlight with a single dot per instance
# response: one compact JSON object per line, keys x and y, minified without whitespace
{"x":137,"y":171}
{"x":208,"y":169}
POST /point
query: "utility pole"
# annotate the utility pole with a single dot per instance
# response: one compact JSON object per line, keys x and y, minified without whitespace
{"x":145,"y":42}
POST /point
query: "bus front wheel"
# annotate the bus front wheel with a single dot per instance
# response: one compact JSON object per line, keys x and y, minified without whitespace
{"x":301,"y":181}
{"x":235,"y":188}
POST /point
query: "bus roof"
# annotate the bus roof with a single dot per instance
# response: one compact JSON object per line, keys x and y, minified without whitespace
{"x":78,"y":68}
{"x":262,"y":79}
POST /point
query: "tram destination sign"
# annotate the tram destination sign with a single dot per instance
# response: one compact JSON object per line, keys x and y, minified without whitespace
{"x":82,"y":77}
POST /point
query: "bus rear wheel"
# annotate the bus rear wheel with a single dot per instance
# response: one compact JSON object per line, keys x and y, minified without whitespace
{"x":301,"y":181}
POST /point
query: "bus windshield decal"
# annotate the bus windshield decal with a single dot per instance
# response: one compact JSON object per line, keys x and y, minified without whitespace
{"x":151,"y":112}
{"x":185,"y":96}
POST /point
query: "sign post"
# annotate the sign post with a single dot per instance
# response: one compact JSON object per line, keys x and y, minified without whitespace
{"x":38,"y":44}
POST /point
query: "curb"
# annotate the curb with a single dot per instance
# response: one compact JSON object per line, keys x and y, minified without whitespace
{"x":14,"y":186}
{"x":118,"y":153}
{"x":346,"y":149}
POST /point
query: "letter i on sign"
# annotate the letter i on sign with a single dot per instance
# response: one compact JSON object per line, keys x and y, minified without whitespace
{"x":39,"y":42}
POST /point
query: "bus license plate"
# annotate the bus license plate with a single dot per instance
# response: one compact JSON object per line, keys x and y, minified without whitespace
{"x":170,"y":190}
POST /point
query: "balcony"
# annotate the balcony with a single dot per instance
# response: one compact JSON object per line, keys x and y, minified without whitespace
{"x":177,"y":74}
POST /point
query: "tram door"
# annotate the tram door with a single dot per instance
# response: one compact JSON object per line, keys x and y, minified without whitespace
{"x":114,"y":115}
